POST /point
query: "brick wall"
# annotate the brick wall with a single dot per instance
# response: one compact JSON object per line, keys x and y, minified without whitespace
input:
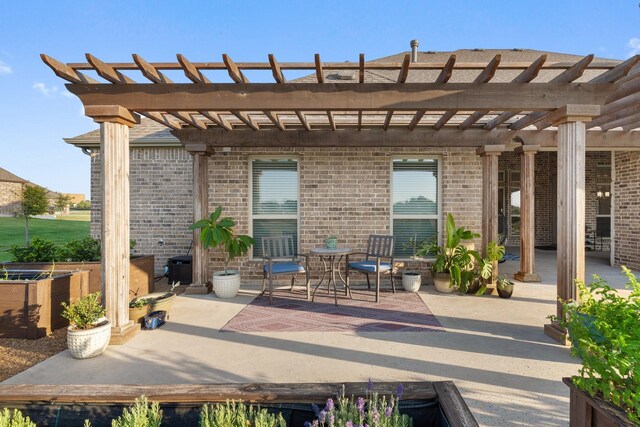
{"x":161,"y":201}
{"x":344,"y":192}
{"x":10,"y":195}
{"x":627,"y":209}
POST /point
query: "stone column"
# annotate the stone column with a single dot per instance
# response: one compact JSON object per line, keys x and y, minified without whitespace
{"x":489,"y":154}
{"x":527,"y":213}
{"x":571,"y":205}
{"x":200,"y":155}
{"x":114,"y":156}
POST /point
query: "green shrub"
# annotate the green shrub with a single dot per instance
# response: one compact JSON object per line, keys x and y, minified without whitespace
{"x":85,"y":312}
{"x":605,"y":333}
{"x":81,"y":250}
{"x":238,"y":414}
{"x":38,"y":250}
{"x":14,"y":419}
{"x":141,"y":414}
{"x":83,"y":205}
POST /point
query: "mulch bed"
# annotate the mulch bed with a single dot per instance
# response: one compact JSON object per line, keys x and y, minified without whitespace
{"x":18,"y":355}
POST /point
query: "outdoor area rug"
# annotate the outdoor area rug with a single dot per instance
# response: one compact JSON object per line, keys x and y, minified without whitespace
{"x":399,"y":312}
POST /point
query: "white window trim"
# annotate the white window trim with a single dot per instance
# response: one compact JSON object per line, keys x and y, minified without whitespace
{"x":272,"y":216}
{"x":437,"y":216}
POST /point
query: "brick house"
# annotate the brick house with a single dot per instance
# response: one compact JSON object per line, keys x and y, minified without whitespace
{"x":497,"y":130}
{"x":10,"y":192}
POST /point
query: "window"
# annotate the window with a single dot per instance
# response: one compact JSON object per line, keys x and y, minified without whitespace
{"x":603,"y":195}
{"x":274,"y":200}
{"x":416,"y":206}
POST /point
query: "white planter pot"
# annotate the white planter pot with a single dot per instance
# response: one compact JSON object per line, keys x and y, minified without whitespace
{"x":411,"y":281}
{"x":87,"y":343}
{"x":442,"y":281}
{"x":226,"y":286}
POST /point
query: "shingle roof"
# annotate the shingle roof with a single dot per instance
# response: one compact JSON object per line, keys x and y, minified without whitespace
{"x":6,"y":176}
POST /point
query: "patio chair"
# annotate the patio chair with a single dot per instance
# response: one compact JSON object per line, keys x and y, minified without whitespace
{"x":281,"y":259}
{"x":379,"y":248}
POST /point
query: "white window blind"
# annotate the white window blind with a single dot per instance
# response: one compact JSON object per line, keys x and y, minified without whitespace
{"x":416,"y":208}
{"x":274,"y":200}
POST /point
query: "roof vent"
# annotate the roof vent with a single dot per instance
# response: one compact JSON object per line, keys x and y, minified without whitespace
{"x":477,"y":50}
{"x":517,"y":49}
{"x":414,"y":50}
{"x":341,"y":75}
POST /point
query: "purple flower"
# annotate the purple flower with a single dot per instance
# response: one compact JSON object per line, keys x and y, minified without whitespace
{"x":314,"y":423}
{"x":376,"y":417}
{"x":322,"y":416}
{"x":370,"y":385}
{"x":307,"y":424}
{"x":331,"y":419}
{"x":387,"y":412}
{"x":349,"y":424}
{"x":360,"y":405}
{"x":329,"y":406}
{"x":399,"y":391}
{"x":315,"y":409}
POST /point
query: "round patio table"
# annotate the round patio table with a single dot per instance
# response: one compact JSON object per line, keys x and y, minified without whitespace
{"x":331,"y":267}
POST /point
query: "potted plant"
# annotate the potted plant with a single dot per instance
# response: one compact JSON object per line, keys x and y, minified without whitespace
{"x":89,"y":330}
{"x":484,"y":270}
{"x":218,"y":232}
{"x":138,"y":308}
{"x":331,"y":242}
{"x":604,"y":329}
{"x":504,"y":286}
{"x":453,"y":267}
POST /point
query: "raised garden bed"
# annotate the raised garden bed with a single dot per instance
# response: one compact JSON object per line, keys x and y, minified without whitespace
{"x":587,"y":411}
{"x":428,"y":403}
{"x":30,"y":300}
{"x":140,"y":276}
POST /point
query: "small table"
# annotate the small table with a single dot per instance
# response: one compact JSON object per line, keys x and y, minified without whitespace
{"x":328,"y":258}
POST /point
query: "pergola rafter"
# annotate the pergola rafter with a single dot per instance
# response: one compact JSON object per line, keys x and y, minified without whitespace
{"x":403,"y":104}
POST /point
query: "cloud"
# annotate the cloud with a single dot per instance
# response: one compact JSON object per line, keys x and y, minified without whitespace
{"x":44,"y":89}
{"x":67,"y":94}
{"x":634,"y":45}
{"x":5,"y":69}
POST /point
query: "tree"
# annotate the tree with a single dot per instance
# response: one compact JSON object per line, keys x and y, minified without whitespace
{"x":62,"y":201}
{"x":34,"y":202}
{"x":85,"y":204}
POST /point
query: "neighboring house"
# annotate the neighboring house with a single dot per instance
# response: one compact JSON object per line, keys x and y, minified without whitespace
{"x":11,"y":187}
{"x":351,"y":192}
{"x":10,"y":192}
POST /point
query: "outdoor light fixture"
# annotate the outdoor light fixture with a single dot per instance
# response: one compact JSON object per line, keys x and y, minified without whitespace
{"x":599,"y":194}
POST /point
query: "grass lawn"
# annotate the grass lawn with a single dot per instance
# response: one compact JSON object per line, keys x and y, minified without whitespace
{"x":12,"y":232}
{"x":83,"y":215}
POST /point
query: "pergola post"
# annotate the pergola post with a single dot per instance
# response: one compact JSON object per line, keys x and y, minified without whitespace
{"x":200,"y":155}
{"x":571,"y":208}
{"x":114,"y":156}
{"x":489,"y":154}
{"x":527,"y":213}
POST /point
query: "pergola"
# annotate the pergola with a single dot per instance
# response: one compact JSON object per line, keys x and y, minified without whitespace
{"x":342,"y":108}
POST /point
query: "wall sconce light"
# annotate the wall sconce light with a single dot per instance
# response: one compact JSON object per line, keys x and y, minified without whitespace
{"x":599,"y":194}
{"x":607,"y":194}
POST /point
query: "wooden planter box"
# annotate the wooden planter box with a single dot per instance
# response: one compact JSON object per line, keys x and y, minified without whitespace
{"x":140,"y":276}
{"x":30,"y":306}
{"x":428,"y":403}
{"x":587,"y":411}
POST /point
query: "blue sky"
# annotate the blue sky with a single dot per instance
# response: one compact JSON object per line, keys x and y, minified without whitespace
{"x":36,"y":112}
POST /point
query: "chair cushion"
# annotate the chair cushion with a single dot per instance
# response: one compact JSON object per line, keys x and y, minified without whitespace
{"x":284,"y":267}
{"x":369,"y":266}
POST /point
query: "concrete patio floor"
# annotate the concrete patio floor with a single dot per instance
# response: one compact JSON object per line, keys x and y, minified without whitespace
{"x":495,"y":351}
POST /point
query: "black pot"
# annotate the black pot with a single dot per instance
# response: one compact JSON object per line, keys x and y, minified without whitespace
{"x":506,"y":292}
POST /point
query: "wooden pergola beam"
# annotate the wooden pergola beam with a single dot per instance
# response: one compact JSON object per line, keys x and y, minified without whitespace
{"x":402,"y":77}
{"x":567,"y":76}
{"x":621,"y":114}
{"x":525,"y":77}
{"x":485,"y":76}
{"x":581,"y":113}
{"x":279,"y":78}
{"x":618,"y":72}
{"x":343,"y":97}
{"x":625,"y":121}
{"x":65,"y":72}
{"x":443,"y":77}
{"x":320,"y":77}
{"x":398,"y":137}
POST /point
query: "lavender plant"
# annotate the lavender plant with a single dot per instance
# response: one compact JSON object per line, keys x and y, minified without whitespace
{"x":372,"y":410}
{"x":237,"y":414}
